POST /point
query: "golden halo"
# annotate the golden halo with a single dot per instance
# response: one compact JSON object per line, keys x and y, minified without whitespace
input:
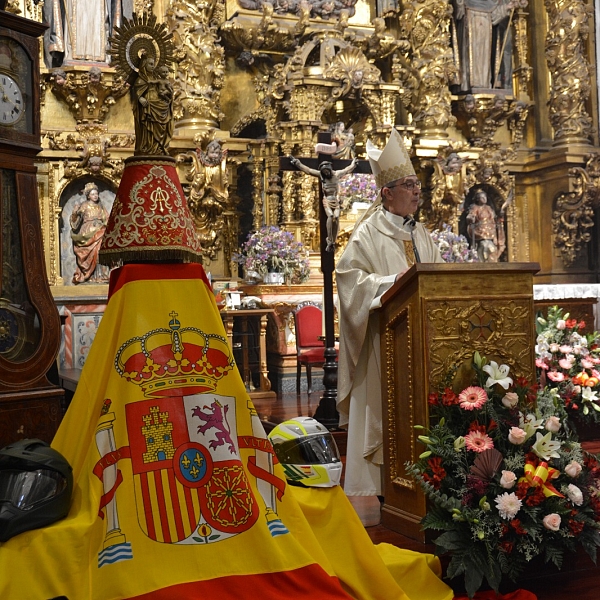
{"x":137,"y":36}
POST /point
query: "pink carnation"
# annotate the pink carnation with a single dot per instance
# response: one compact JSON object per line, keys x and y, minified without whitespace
{"x":478,"y":441}
{"x":555,"y":376}
{"x":472,"y":397}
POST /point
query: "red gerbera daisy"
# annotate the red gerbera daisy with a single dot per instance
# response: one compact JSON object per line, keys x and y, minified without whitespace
{"x":472,"y":397}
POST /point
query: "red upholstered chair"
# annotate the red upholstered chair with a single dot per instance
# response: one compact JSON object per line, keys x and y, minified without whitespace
{"x":308,"y":320}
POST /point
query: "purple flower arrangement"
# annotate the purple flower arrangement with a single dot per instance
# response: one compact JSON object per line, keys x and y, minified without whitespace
{"x":453,"y":247}
{"x":274,"y":250}
{"x":357,"y":187}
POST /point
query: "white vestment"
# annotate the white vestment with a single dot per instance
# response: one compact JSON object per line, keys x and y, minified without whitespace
{"x":368,"y":267}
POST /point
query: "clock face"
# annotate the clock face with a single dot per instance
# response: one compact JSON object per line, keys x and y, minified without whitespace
{"x":12,"y":105}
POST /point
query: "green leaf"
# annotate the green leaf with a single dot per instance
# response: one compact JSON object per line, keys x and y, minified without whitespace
{"x":451,"y":540}
{"x":473,"y":581}
{"x":455,"y":567}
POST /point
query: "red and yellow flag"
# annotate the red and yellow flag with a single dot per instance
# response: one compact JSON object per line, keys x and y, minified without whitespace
{"x":177,"y":491}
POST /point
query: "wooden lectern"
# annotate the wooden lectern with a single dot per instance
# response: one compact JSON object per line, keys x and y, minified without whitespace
{"x":432,"y":320}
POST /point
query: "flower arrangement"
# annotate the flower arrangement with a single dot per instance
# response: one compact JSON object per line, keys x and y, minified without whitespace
{"x":453,"y":247}
{"x":506,"y":483}
{"x":357,"y":187}
{"x":274,"y":250}
{"x":568,"y":364}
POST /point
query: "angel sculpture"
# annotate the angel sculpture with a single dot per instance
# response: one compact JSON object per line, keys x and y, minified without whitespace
{"x":449,"y":187}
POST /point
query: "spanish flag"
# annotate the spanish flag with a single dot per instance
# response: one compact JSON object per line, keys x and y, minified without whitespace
{"x":177,"y":491}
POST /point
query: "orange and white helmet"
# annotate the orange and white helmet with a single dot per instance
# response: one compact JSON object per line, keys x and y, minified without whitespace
{"x":307,"y":452}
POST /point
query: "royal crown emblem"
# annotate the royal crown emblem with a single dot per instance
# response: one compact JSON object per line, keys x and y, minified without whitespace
{"x":174,"y":361}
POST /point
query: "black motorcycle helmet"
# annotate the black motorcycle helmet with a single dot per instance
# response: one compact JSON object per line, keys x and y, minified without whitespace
{"x":36,"y":483}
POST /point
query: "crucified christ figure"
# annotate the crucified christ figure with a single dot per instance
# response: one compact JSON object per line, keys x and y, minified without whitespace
{"x":330,"y":183}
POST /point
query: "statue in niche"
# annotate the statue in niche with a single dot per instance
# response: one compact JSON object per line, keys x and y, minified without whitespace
{"x":482,"y":41}
{"x":330,"y":183}
{"x":485,"y":228}
{"x":79,"y":29}
{"x":88,"y":224}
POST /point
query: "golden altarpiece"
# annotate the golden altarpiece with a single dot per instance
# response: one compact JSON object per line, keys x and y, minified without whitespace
{"x":489,"y":96}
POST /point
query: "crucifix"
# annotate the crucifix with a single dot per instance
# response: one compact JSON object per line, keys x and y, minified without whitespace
{"x":326,"y":412}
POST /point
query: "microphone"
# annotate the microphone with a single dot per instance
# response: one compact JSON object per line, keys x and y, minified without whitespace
{"x":410,"y":221}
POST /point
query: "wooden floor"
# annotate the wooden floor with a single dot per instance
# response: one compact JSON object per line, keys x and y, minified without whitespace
{"x":578,"y":580}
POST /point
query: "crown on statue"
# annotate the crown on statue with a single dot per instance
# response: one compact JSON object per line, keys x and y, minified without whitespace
{"x":175,"y":361}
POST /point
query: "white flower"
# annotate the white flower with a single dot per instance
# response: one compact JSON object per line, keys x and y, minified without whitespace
{"x":497,"y":374}
{"x":575,"y":494}
{"x":508,"y":505}
{"x":573,"y":469}
{"x":589,"y":395}
{"x":553,"y":424}
{"x":544,"y":447}
{"x":459,"y":443}
{"x":530,"y":424}
{"x":561,"y":324}
{"x":508,"y":480}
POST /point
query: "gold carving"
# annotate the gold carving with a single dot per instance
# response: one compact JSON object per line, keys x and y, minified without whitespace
{"x":89,"y":95}
{"x":566,"y":55}
{"x":406,"y":483}
{"x":208,"y":194}
{"x":245,"y":34}
{"x":426,"y":26}
{"x":573,"y":215}
{"x":498,"y":329}
{"x":200,"y":62}
{"x":522,"y":69}
{"x":396,"y":328}
{"x":449,"y":181}
{"x":94,"y":158}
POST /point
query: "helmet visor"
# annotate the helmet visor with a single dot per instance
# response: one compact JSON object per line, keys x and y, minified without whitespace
{"x":25,"y":489}
{"x":311,"y":450}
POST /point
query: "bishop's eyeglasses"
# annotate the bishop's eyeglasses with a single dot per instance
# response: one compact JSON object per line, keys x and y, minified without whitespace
{"x":407,"y":185}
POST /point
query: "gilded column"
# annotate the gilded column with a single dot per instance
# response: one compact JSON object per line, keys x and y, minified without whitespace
{"x":569,"y":69}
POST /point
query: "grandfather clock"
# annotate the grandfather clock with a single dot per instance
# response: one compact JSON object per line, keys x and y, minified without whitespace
{"x":30,"y":406}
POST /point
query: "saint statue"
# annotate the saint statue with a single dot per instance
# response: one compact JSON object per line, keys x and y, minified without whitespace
{"x":483,"y":44}
{"x":88,"y":224}
{"x":78,"y":30}
{"x":152,"y":100}
{"x":330,"y":183}
{"x":485,"y":229}
{"x":344,"y":139}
